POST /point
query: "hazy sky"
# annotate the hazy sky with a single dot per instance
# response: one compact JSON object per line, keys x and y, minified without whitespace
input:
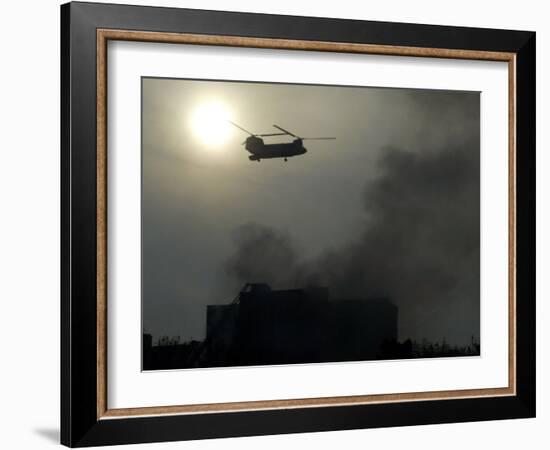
{"x":391,"y":207}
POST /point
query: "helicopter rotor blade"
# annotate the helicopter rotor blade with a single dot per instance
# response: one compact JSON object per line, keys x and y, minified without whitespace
{"x":286,"y":131}
{"x":317,"y":138}
{"x":241,"y":128}
{"x":271,"y":134}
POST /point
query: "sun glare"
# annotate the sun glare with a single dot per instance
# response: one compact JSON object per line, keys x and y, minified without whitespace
{"x":211,"y":123}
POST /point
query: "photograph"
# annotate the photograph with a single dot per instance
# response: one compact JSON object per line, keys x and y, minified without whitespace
{"x":298,"y":224}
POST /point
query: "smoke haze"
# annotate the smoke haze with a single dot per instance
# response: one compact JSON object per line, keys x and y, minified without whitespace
{"x":419,"y":245}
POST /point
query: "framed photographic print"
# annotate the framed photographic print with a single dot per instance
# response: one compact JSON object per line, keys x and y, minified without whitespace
{"x":276,"y":224}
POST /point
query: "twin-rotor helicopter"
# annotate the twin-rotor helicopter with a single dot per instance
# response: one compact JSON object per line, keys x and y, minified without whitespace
{"x":259,"y":150}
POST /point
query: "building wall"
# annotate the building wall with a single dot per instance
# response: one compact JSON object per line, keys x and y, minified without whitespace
{"x":299,"y":326}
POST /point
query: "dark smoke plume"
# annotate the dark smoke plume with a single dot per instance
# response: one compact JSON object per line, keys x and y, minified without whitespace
{"x":419,"y":246}
{"x":263,"y":254}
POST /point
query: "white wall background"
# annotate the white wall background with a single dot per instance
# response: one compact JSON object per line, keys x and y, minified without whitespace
{"x":29,"y":229}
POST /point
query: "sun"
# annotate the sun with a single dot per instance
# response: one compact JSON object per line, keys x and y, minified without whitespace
{"x":210,"y":123}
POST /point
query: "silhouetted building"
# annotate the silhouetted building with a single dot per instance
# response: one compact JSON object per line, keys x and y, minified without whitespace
{"x":265,"y":326}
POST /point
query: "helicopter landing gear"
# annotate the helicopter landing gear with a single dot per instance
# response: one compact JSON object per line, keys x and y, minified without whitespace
{"x":258,"y":160}
{"x":286,"y":160}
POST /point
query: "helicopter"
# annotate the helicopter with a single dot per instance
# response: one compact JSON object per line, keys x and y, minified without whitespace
{"x":255,"y":145}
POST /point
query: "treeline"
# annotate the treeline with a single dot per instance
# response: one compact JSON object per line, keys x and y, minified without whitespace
{"x":426,"y":349}
{"x":172,"y":353}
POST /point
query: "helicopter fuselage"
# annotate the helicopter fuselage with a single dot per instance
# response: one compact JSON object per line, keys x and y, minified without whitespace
{"x":260,"y":150}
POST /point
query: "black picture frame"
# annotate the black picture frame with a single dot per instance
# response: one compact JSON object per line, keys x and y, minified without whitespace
{"x":80,"y":425}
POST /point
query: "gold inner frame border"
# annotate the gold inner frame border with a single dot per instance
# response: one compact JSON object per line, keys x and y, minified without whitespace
{"x":104,"y":35}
